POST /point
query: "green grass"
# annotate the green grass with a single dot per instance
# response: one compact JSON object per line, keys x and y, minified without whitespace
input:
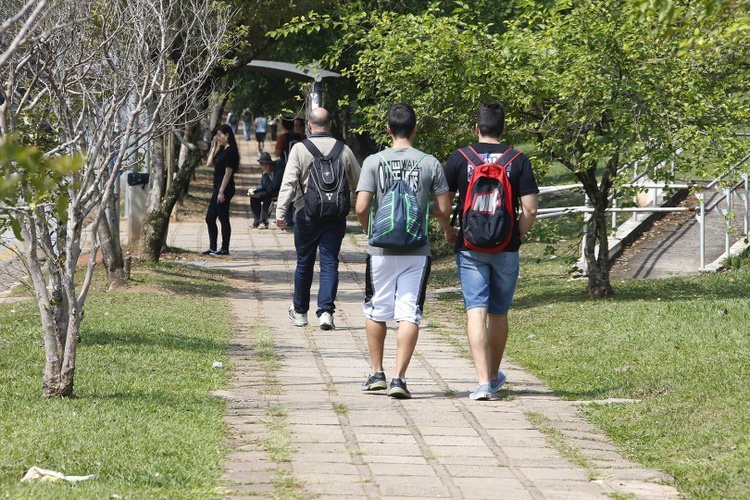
{"x":143,"y":418}
{"x":679,"y":346}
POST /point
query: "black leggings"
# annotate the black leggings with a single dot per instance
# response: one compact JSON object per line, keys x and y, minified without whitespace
{"x":220,"y":211}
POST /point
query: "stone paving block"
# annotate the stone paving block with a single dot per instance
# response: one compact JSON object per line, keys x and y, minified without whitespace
{"x":326,"y":482}
{"x":249,"y":477}
{"x":459,"y":459}
{"x":422,"y":487}
{"x":376,"y":419}
{"x":340,"y":457}
{"x":386,"y":469}
{"x":440,"y":443}
{"x":601,"y":455}
{"x":636,"y":474}
{"x":486,"y":469}
{"x":491,"y":488}
{"x":453,"y":440}
{"x":594,"y":445}
{"x":398,"y":430}
{"x":253,"y":490}
{"x":554,"y":474}
{"x":299,"y":437}
{"x":580,"y":488}
{"x":530,"y":452}
{"x":301,"y":418}
{"x":382,"y":438}
{"x":461,"y":451}
{"x":345,"y":469}
{"x":395,"y":449}
{"x":248,"y":456}
{"x":393,"y":460}
{"x":520,"y":438}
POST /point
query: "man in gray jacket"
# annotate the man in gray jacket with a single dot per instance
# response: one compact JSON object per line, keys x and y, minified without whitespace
{"x":313,"y":235}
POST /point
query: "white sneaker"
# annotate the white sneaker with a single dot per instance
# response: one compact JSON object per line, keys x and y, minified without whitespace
{"x":326,"y":321}
{"x":299,"y":319}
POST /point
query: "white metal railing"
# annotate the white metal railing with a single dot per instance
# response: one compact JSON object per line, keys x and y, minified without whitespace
{"x":702,"y":210}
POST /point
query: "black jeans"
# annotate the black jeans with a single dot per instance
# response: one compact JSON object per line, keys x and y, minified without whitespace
{"x":220,"y":211}
{"x":259,"y":207}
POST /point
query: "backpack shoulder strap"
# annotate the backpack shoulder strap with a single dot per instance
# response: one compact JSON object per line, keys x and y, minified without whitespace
{"x":471,"y":156}
{"x":312,"y":148}
{"x":416,"y":164}
{"x":387,"y":164}
{"x":338,"y":147}
{"x":511,"y":154}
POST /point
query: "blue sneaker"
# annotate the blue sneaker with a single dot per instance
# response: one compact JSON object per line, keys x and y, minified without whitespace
{"x":481,"y":393}
{"x":498,"y":382}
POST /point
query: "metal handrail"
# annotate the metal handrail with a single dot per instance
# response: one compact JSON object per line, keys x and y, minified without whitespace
{"x":702,"y":210}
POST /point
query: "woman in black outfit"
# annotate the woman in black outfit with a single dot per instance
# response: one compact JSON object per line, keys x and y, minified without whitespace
{"x":226,"y":162}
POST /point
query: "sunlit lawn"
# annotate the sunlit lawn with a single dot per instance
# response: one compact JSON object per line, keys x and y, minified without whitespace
{"x":143,"y":418}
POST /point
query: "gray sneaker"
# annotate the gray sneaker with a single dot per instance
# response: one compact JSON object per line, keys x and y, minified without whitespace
{"x":299,"y":319}
{"x":375,"y":382}
{"x":397,"y":389}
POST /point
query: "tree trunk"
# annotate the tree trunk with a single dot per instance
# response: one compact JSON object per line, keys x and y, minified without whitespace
{"x":157,"y":221}
{"x":596,"y":248}
{"x":598,"y":264}
{"x":51,"y":255}
{"x":109,"y":239}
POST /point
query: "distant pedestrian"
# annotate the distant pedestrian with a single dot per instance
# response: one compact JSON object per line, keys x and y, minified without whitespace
{"x":488,"y":278}
{"x":284,"y":145}
{"x":247,"y":123}
{"x":287,"y":139}
{"x":225,"y":158}
{"x":260,"y":131}
{"x":273,"y":126}
{"x":396,"y":278}
{"x":233,"y":121}
{"x":311,"y":235}
{"x":262,"y":196}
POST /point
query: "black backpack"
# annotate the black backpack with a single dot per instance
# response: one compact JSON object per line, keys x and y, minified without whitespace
{"x":327,"y":196}
{"x":292,"y":138}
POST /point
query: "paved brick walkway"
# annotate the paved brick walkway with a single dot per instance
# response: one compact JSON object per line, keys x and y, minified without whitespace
{"x":343,"y":443}
{"x":348,"y":444}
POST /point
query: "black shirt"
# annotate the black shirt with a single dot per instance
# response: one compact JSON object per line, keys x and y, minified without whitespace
{"x":521,"y":178}
{"x":228,"y":157}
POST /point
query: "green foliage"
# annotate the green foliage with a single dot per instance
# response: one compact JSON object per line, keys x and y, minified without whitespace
{"x":593,"y":85}
{"x":29,"y":178}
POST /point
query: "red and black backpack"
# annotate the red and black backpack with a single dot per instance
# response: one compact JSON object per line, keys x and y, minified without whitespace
{"x":488,"y":215}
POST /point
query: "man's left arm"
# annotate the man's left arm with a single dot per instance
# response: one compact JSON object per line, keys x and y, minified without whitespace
{"x":528,"y":213}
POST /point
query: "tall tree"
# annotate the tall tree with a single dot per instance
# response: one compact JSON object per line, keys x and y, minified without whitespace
{"x":246,"y":40}
{"x":594,"y":85}
{"x":92,"y":79}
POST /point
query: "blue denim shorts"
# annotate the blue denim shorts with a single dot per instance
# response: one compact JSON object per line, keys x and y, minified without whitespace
{"x":488,"y":279}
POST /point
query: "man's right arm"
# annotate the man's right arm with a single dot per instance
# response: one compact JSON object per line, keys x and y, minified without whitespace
{"x":364,"y":198}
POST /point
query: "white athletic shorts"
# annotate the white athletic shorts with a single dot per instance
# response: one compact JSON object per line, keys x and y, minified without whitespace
{"x":395,"y":287}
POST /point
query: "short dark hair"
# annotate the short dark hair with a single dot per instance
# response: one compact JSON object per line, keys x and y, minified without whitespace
{"x":491,"y":119}
{"x":402,"y":119}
